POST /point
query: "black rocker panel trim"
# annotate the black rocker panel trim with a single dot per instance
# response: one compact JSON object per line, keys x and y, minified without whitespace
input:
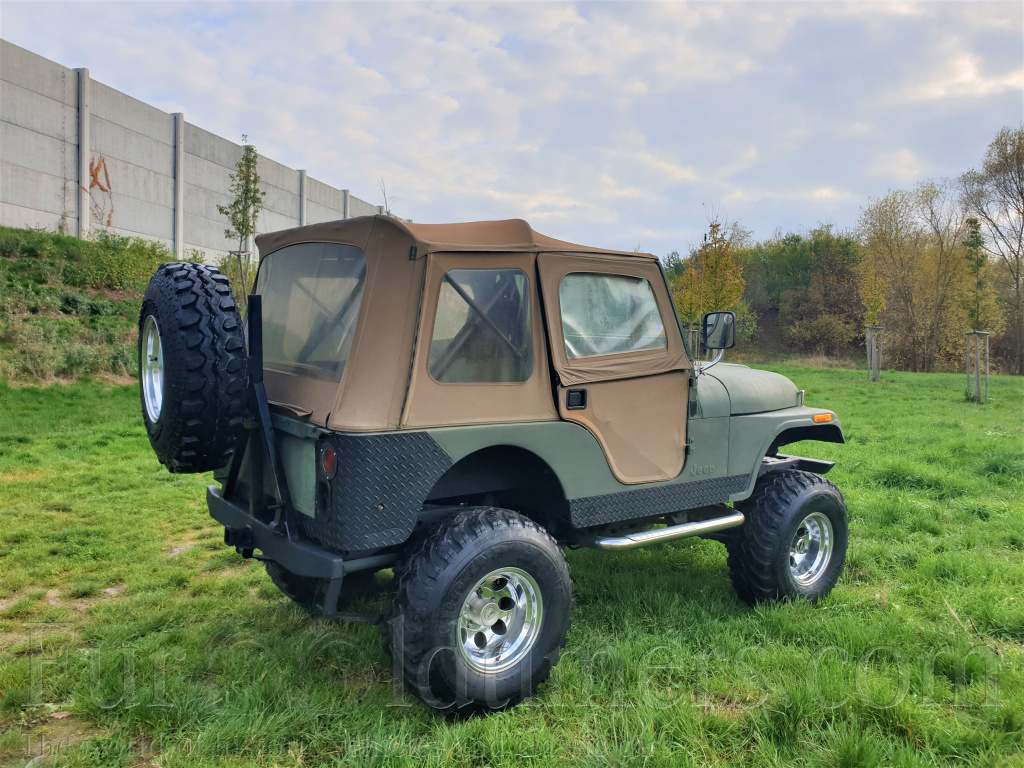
{"x":377,"y":492}
{"x":649,"y":502}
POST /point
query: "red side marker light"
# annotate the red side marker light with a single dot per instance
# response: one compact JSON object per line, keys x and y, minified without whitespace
{"x":329,"y":460}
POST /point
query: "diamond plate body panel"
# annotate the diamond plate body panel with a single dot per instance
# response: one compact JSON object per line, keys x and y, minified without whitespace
{"x":377,"y":491}
{"x":647,"y":502}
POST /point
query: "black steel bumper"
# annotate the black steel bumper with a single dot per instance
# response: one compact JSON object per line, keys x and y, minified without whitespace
{"x":781,"y":461}
{"x":243,"y":531}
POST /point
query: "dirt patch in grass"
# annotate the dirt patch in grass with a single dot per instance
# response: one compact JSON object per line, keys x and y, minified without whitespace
{"x":49,"y":738}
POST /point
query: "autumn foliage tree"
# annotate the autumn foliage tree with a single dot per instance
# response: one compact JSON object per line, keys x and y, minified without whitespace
{"x":915,"y":241}
{"x":709,"y":280}
{"x":994,"y":195}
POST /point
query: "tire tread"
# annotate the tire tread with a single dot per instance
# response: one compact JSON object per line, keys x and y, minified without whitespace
{"x":419,"y":575}
{"x":754,"y":547}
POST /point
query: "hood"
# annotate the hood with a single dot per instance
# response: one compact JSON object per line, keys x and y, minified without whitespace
{"x":752,"y":391}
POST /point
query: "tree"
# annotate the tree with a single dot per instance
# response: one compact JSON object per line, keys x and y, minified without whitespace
{"x":983,"y":312}
{"x":914,"y":241}
{"x":242,"y":214}
{"x":711,"y":280}
{"x":804,"y":289}
{"x":995,"y":196}
{"x":872,"y":292}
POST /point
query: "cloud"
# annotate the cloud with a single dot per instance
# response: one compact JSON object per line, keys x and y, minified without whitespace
{"x":900,"y":165}
{"x":607,"y":123}
{"x":962,"y":77}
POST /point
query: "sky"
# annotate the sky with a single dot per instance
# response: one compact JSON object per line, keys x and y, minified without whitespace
{"x":611,"y":124}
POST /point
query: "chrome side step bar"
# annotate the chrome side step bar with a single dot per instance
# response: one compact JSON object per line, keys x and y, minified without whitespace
{"x":673,"y":532}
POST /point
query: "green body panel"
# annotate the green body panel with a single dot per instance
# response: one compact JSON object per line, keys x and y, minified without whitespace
{"x":752,"y":435}
{"x":570,"y":450}
{"x":576,"y":457}
{"x":298,"y":457}
{"x":721,"y":445}
{"x":749,"y":390}
{"x":712,"y":398}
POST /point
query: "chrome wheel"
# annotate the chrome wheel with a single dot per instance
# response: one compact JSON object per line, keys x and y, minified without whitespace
{"x":152,"y":369}
{"x":811,"y":550}
{"x":500,"y":620}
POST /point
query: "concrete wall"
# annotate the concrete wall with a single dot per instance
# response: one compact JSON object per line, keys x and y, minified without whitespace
{"x":70,"y":144}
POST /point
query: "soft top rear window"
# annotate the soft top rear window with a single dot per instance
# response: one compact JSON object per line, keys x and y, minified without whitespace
{"x":311,"y":296}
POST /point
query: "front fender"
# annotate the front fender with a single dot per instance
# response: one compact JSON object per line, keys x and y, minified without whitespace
{"x":752,"y":436}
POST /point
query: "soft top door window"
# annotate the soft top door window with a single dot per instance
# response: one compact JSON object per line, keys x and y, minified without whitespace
{"x":482,"y":328}
{"x":311,"y":298}
{"x":608,"y":314}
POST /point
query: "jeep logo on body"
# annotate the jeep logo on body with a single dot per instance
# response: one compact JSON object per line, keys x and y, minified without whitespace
{"x":706,"y":469}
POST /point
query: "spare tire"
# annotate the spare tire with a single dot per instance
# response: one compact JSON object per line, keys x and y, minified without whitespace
{"x":192,"y":373}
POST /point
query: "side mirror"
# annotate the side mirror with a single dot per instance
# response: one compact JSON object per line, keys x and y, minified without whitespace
{"x":719,"y":330}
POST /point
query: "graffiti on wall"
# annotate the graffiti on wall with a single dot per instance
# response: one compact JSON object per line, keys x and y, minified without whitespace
{"x":101,"y":191}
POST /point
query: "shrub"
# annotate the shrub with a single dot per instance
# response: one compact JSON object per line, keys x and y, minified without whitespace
{"x":35,"y":348}
{"x":10,"y":244}
{"x":46,"y":347}
{"x":117,"y":262}
{"x":124,"y":360}
{"x":825,"y":334}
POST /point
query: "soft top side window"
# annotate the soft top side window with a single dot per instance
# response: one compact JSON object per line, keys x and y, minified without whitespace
{"x":311,"y":298}
{"x":608,"y":314}
{"x":482,"y":328}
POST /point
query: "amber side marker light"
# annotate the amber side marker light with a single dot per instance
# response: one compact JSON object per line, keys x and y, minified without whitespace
{"x":822,"y":417}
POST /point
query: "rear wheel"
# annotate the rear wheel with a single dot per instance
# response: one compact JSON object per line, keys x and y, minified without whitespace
{"x":793,"y":543}
{"x":482,"y":612}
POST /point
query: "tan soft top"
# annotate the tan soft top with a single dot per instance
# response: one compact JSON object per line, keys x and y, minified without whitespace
{"x":475,"y":236}
{"x":386,"y":384}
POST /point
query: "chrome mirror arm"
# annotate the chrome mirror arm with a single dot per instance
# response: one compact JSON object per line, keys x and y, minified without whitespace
{"x":713,"y":363}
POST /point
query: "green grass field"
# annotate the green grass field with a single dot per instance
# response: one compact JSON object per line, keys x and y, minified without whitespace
{"x":120,"y":605}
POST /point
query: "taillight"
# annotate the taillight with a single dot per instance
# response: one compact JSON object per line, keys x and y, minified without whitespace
{"x":328,"y":460}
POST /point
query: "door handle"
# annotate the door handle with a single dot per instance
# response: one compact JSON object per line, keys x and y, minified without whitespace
{"x":575,"y":399}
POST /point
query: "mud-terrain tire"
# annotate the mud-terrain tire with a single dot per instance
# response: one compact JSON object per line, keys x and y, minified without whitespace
{"x":482,"y":562}
{"x":793,"y":543}
{"x":302,"y":589}
{"x":191,"y":367}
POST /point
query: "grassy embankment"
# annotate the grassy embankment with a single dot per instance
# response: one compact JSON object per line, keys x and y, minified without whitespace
{"x":106,"y":560}
{"x":69,"y":307}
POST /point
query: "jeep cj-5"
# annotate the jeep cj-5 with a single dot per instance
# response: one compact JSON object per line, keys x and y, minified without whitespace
{"x":460,"y":403}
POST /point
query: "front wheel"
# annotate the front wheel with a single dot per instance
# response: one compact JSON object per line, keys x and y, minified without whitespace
{"x":482,"y":612}
{"x":793,"y":543}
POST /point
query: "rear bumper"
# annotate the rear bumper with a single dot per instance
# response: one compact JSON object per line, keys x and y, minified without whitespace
{"x":245,"y":532}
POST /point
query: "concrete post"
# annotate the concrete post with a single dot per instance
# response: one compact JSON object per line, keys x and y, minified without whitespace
{"x":179,"y":185}
{"x":302,"y":198}
{"x":84,"y":152}
{"x":344,"y":204}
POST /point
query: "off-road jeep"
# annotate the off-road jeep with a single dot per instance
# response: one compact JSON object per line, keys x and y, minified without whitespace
{"x":460,"y":403}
